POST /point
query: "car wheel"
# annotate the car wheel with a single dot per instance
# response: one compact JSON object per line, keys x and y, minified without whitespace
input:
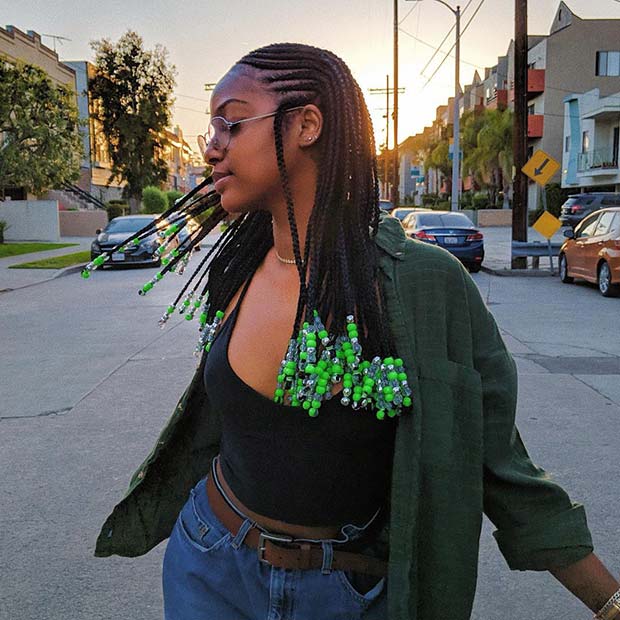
{"x":564,"y":270}
{"x":605,"y":286}
{"x":474,"y":268}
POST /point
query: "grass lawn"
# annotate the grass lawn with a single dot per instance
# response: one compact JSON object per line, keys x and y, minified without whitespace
{"x":58,"y":262}
{"x":14,"y":249}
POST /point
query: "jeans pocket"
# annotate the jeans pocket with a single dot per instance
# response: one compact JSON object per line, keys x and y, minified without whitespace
{"x":199,"y":527}
{"x":365,"y":589}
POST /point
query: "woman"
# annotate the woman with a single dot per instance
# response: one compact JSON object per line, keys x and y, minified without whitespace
{"x":359,"y":405}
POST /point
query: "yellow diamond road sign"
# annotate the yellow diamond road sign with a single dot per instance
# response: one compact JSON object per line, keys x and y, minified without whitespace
{"x":547,"y":225}
{"x":541,"y":167}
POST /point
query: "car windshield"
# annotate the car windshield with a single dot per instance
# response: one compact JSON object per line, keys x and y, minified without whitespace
{"x":127,"y":225}
{"x":443,"y":220}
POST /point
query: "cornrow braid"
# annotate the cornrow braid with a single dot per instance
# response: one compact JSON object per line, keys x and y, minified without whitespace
{"x":343,"y":275}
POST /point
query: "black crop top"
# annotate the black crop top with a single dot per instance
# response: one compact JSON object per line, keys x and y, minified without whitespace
{"x":281,"y":463}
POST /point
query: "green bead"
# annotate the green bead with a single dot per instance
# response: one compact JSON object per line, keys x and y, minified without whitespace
{"x":175,"y":253}
{"x":388,"y":389}
{"x":208,"y":347}
{"x":351,"y":327}
{"x":279,"y":392}
{"x":320,"y":389}
{"x":290,"y":364}
{"x":189,"y":317}
{"x":392,"y":376}
{"x":346,"y":346}
{"x":388,"y":360}
{"x":323,"y":334}
{"x":219,"y":314}
{"x":351,"y":359}
{"x":407,"y":401}
{"x":367,"y":389}
{"x":337,"y":369}
{"x":312,"y":412}
{"x":347,"y":376}
{"x":398,"y":362}
{"x":322,"y":382}
{"x":197,"y":304}
{"x":99,"y":260}
{"x":147,"y":287}
{"x":306,"y":404}
{"x":136,"y":242}
{"x":322,"y":364}
{"x":309,"y":369}
{"x":353,"y":334}
{"x":165,"y":261}
{"x":380,"y":414}
{"x":347,"y":384}
{"x":389,"y":398}
{"x":402,"y":376}
{"x":158,"y":276}
{"x":186,"y":303}
{"x":305,"y":325}
{"x":203,"y":317}
{"x":280,"y":378}
{"x":294,"y":402}
{"x":340,"y":355}
{"x":289,"y":372}
{"x":369,"y":381}
{"x":85,"y":274}
{"x":316,"y":404}
{"x":391,"y":413}
{"x":303,"y":356}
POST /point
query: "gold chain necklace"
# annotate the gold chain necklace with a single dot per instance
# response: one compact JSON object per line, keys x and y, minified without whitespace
{"x":286,"y":261}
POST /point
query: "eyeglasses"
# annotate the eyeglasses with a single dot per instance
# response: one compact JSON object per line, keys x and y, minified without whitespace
{"x":220,"y":130}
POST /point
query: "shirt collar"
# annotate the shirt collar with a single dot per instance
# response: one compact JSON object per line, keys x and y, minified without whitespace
{"x":391,"y":236}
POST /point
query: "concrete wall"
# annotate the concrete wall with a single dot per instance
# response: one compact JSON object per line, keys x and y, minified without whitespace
{"x":494,"y":217}
{"x":81,"y":223}
{"x":30,"y":220}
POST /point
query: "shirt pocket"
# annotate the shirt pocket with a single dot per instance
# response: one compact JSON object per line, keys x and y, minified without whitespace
{"x":450,"y":399}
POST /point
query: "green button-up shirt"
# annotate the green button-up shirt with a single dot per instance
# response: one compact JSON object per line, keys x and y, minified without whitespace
{"x":457,"y":452}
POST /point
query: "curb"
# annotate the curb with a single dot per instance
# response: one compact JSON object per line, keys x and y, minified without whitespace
{"x":67,"y":271}
{"x":518,"y":273}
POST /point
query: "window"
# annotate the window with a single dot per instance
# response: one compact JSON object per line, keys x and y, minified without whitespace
{"x":585,"y":141}
{"x":567,"y":144}
{"x":587,"y":227}
{"x":608,"y":64}
{"x":531,"y":109}
{"x":604,"y":223}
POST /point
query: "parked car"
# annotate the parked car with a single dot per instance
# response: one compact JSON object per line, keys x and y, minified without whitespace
{"x":592,"y":252}
{"x":386,"y":205}
{"x":454,"y":232}
{"x":579,"y":206}
{"x":402,"y":212}
{"x":118,"y":230}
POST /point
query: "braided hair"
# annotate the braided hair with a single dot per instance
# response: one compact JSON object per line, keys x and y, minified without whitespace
{"x":343,"y":276}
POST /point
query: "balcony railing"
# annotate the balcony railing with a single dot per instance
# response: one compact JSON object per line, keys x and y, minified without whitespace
{"x":599,"y":161}
{"x":535,"y":82}
{"x":535,"y":125}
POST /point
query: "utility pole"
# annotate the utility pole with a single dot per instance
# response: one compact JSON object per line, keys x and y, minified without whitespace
{"x":396,"y":171}
{"x":387,"y":91}
{"x":456,"y":155}
{"x":520,"y":183}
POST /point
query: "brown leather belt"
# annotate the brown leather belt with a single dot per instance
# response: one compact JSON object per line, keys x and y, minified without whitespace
{"x":284,"y":551}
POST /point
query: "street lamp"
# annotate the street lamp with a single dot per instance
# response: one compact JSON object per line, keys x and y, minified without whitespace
{"x":456,"y":155}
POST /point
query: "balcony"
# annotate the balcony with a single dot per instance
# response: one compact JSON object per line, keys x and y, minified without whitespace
{"x":535,"y":125}
{"x":499,"y":101}
{"x":535,"y":82}
{"x":600,"y":163}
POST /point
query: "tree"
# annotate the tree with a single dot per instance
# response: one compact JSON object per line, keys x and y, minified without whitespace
{"x":132,"y":95}
{"x":40,"y":144}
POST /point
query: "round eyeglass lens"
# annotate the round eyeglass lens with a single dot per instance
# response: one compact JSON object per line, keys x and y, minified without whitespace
{"x":218,"y":133}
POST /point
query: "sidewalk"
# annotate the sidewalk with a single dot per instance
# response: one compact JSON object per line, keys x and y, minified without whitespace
{"x":497,"y":249}
{"x":12,"y":279}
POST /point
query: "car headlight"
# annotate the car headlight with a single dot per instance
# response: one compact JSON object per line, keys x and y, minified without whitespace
{"x":95,"y":246}
{"x":150,"y":245}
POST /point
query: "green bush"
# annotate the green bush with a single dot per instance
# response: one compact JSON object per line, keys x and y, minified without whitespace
{"x":480,"y":201}
{"x":3,"y":227}
{"x":153,"y":200}
{"x":429,"y":199}
{"x":466,"y":200}
{"x":116,"y":208}
{"x":556,"y":197}
{"x":172,"y":196}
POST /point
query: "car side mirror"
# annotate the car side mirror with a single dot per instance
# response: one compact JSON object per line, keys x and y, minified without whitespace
{"x":98,"y":231}
{"x":569,"y":233}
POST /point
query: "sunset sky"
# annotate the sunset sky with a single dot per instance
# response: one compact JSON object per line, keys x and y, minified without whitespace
{"x":205,"y":38}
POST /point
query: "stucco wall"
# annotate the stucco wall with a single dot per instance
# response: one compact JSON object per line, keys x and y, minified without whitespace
{"x":81,"y":223}
{"x":30,"y":220}
{"x":494,"y":217}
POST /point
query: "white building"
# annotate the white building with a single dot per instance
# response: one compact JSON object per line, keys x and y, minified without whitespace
{"x":590,"y":160}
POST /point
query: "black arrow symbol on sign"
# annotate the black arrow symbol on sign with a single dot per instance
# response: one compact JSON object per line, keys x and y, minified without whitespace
{"x":539,"y":170}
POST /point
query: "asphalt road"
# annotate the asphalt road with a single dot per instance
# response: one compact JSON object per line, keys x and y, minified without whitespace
{"x":88,"y":380}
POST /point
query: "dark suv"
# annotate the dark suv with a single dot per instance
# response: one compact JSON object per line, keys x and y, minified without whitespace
{"x":579,"y":206}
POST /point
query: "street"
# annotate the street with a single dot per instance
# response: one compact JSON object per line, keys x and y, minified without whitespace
{"x":89,"y":380}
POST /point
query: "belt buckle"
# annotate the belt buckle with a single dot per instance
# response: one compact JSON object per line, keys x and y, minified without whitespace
{"x":277,"y":538}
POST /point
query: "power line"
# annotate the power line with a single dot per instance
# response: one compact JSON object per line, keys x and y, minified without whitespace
{"x":192,"y":97}
{"x":442,"y":52}
{"x":445,"y":39}
{"x":415,"y":6}
{"x":454,"y":44}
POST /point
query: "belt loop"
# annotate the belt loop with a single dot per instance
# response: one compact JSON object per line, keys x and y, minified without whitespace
{"x":237,"y":541}
{"x":328,"y":555}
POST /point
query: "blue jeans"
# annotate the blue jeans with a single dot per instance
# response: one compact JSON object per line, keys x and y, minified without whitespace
{"x":210,"y":575}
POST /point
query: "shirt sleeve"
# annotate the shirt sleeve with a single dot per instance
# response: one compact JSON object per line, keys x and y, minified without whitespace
{"x":538,"y":526}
